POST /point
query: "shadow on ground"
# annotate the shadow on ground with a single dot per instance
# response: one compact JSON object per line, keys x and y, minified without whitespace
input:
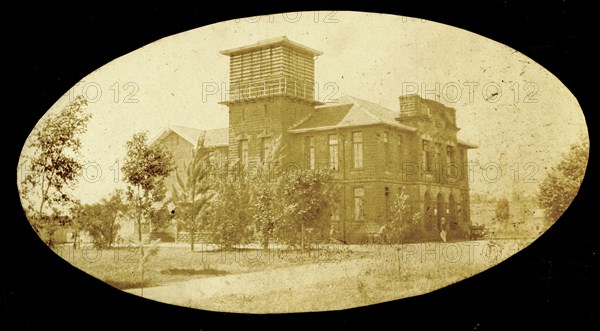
{"x":192,"y":272}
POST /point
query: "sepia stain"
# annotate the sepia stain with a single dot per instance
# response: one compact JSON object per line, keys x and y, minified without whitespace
{"x":300,"y":162}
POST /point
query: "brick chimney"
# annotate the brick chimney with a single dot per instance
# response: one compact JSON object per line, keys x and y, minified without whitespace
{"x":410,"y":105}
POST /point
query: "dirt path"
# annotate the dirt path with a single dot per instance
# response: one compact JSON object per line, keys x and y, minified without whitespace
{"x":195,"y":292}
{"x":333,"y":285}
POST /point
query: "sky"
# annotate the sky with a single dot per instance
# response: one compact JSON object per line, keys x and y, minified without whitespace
{"x":520,"y":115}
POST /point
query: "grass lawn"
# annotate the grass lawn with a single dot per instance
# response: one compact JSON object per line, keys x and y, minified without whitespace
{"x":119,"y":266}
{"x":336,"y":277}
{"x":268,"y":281}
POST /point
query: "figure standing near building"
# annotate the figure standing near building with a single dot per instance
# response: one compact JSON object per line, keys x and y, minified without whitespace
{"x":443,"y":229}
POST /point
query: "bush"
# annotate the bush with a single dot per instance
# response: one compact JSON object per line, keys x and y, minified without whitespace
{"x":306,"y":201}
{"x":502,"y":210}
{"x":404,"y":225}
{"x":230,"y":216}
{"x":561,"y":185}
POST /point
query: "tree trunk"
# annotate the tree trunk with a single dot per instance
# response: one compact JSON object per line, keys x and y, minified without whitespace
{"x":266,"y":240}
{"x":302,"y":236}
{"x":139,"y":223}
{"x":43,"y":199}
{"x":45,"y":194}
{"x":140,"y":237}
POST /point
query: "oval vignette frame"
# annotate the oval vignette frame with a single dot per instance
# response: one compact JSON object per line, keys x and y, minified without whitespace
{"x":430,"y":184}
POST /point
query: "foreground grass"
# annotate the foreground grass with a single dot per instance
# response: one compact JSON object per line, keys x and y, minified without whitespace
{"x":378,"y":274}
{"x":120,"y":266}
{"x":257,"y":281}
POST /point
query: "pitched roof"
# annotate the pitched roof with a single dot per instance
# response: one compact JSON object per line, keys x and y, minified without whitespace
{"x":212,"y":138}
{"x":349,"y":112}
{"x":216,"y":137}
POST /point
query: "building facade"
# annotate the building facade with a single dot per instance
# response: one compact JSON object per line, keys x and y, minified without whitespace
{"x":375,"y":152}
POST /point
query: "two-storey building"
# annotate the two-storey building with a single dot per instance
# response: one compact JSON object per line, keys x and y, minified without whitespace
{"x":374,"y":151}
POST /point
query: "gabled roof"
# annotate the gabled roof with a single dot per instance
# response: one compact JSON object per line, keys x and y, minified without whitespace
{"x":212,"y":138}
{"x":349,"y":112}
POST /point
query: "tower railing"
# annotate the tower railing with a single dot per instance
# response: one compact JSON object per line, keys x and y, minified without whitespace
{"x":270,"y":87}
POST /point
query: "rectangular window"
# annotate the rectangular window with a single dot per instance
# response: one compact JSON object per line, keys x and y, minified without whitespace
{"x":335,"y":214}
{"x":243,"y":152}
{"x":359,"y":195}
{"x":449,"y":154}
{"x":310,"y":152}
{"x":265,"y":151}
{"x":357,"y":141}
{"x":399,"y":153}
{"x":333,"y":152}
{"x":386,"y":149}
{"x":427,"y":155}
{"x":387,"y":203}
{"x":438,"y":154}
{"x":461,"y":164}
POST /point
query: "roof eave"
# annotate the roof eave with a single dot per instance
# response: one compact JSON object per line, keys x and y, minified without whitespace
{"x":350,"y":126}
{"x":269,"y":42}
{"x":467,"y":144}
{"x":163,"y":134}
{"x":216,"y":145}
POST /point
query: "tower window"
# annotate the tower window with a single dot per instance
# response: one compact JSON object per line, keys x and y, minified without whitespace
{"x":265,"y":149}
{"x":243,"y":152}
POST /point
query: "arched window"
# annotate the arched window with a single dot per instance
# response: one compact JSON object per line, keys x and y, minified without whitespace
{"x":427,"y":210}
{"x":452,"y":213}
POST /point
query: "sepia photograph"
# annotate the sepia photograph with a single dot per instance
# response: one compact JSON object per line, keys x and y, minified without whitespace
{"x":300,"y":162}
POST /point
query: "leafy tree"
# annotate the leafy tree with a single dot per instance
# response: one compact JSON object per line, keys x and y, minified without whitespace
{"x":146,"y":168}
{"x":192,"y":195}
{"x":231,"y":219}
{"x":308,"y":197}
{"x":160,"y":217}
{"x":100,"y":219}
{"x":266,"y":207}
{"x":561,"y":185}
{"x":404,"y":225}
{"x":266,"y":210}
{"x":502,"y":210}
{"x":54,"y":166}
{"x":78,"y":221}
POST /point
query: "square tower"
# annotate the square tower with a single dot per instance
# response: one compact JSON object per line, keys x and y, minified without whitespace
{"x":273,"y":67}
{"x":271,"y":88}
